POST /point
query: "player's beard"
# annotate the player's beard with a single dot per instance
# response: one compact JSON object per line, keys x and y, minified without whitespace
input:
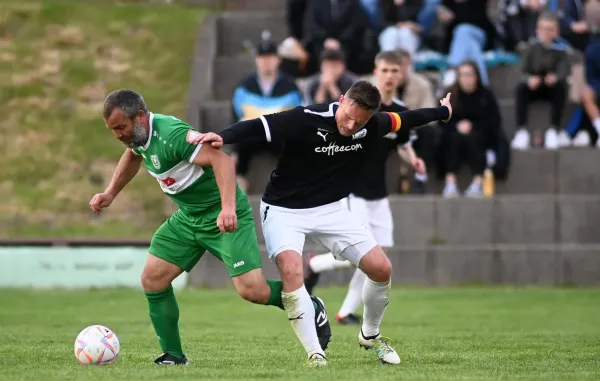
{"x":139,"y":136}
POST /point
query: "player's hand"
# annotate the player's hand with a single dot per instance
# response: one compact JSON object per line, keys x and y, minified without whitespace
{"x":215,"y":140}
{"x":446,"y":103}
{"x":419,"y":165}
{"x":100,"y":201}
{"x":227,"y":220}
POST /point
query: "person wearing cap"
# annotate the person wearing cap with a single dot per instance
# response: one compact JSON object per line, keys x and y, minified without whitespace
{"x":264,"y":92}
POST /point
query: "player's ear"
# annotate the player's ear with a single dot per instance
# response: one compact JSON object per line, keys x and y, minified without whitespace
{"x":341,"y":99}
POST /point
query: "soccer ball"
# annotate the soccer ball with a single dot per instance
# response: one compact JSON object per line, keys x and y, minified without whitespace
{"x":96,"y":344}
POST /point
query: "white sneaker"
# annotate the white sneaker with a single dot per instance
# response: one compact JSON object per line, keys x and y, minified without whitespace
{"x":564,"y":140}
{"x":522,"y":140}
{"x":451,"y":190}
{"x":381,"y":346}
{"x":582,"y":139}
{"x":317,"y":360}
{"x":551,"y":139}
{"x":475,"y":190}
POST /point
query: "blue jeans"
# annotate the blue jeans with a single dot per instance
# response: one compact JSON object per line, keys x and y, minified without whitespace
{"x":428,"y":14}
{"x":467,"y":44}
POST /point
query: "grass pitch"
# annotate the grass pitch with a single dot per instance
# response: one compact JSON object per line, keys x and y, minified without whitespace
{"x":441,"y":334}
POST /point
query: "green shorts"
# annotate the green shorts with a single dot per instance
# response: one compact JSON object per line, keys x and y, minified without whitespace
{"x":182,"y":240}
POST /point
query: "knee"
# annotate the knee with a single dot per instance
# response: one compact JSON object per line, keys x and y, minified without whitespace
{"x":588,"y":95}
{"x":153,"y":281}
{"x":378,"y":268}
{"x":290,"y":269}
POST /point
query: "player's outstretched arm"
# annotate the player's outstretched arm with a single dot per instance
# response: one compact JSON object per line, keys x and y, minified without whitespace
{"x":224,"y":169}
{"x":128,"y":167}
{"x":390,"y":121}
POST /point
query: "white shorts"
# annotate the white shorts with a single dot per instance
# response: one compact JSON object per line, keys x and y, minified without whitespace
{"x":332,"y":226}
{"x":376,"y":216}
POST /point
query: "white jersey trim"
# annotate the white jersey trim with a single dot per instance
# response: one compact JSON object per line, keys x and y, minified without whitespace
{"x":185,"y":175}
{"x":326,"y":114}
{"x":267,"y":129}
{"x":150,"y":121}
{"x":195,"y":153}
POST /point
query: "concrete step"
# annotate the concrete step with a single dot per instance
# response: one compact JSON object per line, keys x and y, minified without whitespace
{"x":236,"y":27}
{"x":572,"y":264}
{"x":525,"y":219}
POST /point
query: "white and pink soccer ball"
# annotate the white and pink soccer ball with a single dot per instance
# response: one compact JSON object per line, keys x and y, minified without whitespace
{"x":98,"y":345}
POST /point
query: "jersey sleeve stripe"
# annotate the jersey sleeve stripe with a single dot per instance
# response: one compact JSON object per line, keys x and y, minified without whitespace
{"x":396,"y":121}
{"x":195,"y":153}
{"x":267,"y":129}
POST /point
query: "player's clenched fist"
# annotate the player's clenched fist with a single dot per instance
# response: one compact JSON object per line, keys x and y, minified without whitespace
{"x":215,"y":140}
{"x":227,"y":220}
{"x":100,"y":201}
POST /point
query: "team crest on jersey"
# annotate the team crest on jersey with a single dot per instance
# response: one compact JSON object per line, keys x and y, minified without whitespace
{"x":155,"y":161}
{"x":360,"y":134}
{"x":191,"y":136}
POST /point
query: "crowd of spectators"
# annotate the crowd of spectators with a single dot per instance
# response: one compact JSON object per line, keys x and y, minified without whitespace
{"x":447,"y":45}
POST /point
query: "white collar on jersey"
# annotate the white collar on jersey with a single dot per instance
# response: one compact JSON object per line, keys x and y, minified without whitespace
{"x":326,"y":114}
{"x":150,"y":120}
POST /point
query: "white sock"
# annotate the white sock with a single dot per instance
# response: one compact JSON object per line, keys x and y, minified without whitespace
{"x":596,"y":123}
{"x":327,"y":262}
{"x":376,"y":297}
{"x":301,"y":313}
{"x":354,"y":296}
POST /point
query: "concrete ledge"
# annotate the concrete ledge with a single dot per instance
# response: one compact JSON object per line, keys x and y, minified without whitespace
{"x":237,"y":27}
{"x":456,"y":264}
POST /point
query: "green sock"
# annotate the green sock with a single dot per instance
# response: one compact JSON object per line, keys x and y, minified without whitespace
{"x":164,"y":314}
{"x":275,"y":298}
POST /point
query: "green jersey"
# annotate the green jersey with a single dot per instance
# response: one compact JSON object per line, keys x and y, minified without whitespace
{"x":169,"y":155}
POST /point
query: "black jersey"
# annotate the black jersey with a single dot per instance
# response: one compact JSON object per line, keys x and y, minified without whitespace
{"x":370,"y":183}
{"x":317,"y":165}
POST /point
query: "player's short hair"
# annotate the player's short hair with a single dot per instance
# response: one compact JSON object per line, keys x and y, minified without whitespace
{"x":549,"y":16}
{"x":390,"y":56}
{"x":365,"y":95}
{"x":127,"y":100}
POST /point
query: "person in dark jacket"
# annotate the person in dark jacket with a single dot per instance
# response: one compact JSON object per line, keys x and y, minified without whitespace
{"x":402,"y":28}
{"x":469,"y":33}
{"x":518,"y":20}
{"x":473,"y":127}
{"x":574,"y":27}
{"x":333,"y":80}
{"x":342,"y":25}
{"x":265,"y":92}
{"x":546,"y":66}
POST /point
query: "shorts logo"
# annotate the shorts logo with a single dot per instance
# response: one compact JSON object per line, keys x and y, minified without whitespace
{"x":155,"y":161}
{"x":238,"y":264}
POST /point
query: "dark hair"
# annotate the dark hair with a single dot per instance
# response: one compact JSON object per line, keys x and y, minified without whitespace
{"x":548,"y":16}
{"x":456,"y":90}
{"x":365,"y":95}
{"x":333,"y":55}
{"x":127,"y":100}
{"x":391,"y":56}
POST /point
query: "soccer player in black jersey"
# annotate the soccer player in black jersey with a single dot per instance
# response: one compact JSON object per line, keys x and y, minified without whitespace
{"x":323,"y":148}
{"x":368,"y":199}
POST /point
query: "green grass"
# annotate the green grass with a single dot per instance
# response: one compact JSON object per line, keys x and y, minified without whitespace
{"x":441,"y":334}
{"x":58,"y":60}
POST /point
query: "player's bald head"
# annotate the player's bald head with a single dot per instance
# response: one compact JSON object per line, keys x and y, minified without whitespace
{"x":128,"y":101}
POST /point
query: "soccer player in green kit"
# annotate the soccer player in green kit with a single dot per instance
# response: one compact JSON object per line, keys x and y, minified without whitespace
{"x":214,"y":215}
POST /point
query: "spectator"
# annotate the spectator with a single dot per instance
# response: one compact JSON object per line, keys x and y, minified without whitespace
{"x":591,"y":94}
{"x":574,"y":27}
{"x":518,"y":19}
{"x":295,"y":58}
{"x":333,"y":80}
{"x":474,"y":125}
{"x":545,"y":70}
{"x":402,"y":27}
{"x":265,"y":92}
{"x":415,"y":91}
{"x":341,"y":25}
{"x":373,"y":10}
{"x":469,"y":32}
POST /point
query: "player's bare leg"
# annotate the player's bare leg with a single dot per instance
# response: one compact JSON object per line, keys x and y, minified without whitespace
{"x":253,"y":287}
{"x":376,"y":296}
{"x":299,"y":306}
{"x":164,"y":311}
